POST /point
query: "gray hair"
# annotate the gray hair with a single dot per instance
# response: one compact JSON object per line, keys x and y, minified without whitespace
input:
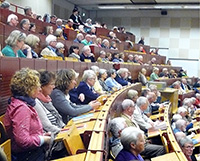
{"x":176,"y":83}
{"x":10,"y":17}
{"x":153,"y":87}
{"x":101,"y":72}
{"x":88,"y":74}
{"x":131,"y":94}
{"x":5,"y":4}
{"x":179,"y":123}
{"x":176,"y":117}
{"x":184,"y":141}
{"x":122,"y":70}
{"x":24,"y":21}
{"x":79,"y":34}
{"x":117,"y":124}
{"x":50,"y":38}
{"x":130,"y":135}
{"x":15,"y":36}
{"x":58,"y":32}
{"x":141,"y":101}
{"x":95,"y":68}
{"x":127,"y":103}
{"x":182,"y":109}
{"x":155,"y":69}
{"x":179,"y":135}
{"x":85,"y":48}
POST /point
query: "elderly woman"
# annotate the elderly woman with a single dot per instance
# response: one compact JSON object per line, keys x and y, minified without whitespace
{"x":102,"y":56}
{"x":33,"y":42}
{"x":102,"y":77}
{"x":74,"y":52}
{"x":132,"y":95}
{"x":105,"y":44}
{"x":142,"y":78}
{"x":65,"y":81}
{"x":60,"y":49}
{"x":133,"y":142}
{"x":49,"y":116}
{"x":15,"y":45}
{"x":59,"y":34}
{"x":21,"y":120}
{"x":86,"y":86}
{"x":154,"y":76}
{"x":112,"y":84}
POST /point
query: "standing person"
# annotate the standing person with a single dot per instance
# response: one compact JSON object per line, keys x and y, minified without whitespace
{"x":141,"y":41}
{"x":76,"y":18}
{"x":21,"y":120}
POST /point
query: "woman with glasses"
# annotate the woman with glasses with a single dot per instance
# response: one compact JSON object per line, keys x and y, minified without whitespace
{"x":15,"y":45}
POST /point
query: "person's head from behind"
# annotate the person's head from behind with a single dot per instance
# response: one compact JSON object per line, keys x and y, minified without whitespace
{"x":32,"y":41}
{"x":187,"y":146}
{"x":66,"y":80}
{"x":132,"y":94}
{"x":95,"y":69}
{"x":25,"y":24}
{"x":16,"y":39}
{"x":47,"y":81}
{"x":142,"y":103}
{"x":116,"y":126}
{"x":25,"y":82}
{"x":181,"y":125}
{"x":133,"y":140}
{"x":28,"y":11}
{"x":89,"y":77}
{"x":128,"y":107}
{"x":12,"y":20}
{"x":51,"y":40}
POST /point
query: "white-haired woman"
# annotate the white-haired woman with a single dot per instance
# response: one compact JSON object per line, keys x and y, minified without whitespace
{"x":133,"y":142}
{"x":60,"y":49}
{"x":15,"y":45}
{"x":154,"y":76}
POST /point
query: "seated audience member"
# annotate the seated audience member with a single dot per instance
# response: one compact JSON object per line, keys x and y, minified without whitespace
{"x":168,"y":62}
{"x":112,"y":84}
{"x":105,"y":44}
{"x":103,"y":25}
{"x":80,"y":29}
{"x":172,"y":74}
{"x":97,"y":87}
{"x":74,"y":52}
{"x":65,"y":81}
{"x":88,"y":25}
{"x":49,"y":116}
{"x":5,"y":5}
{"x":133,"y":143}
{"x":25,"y":24}
{"x":142,"y":120}
{"x":12,"y":20}
{"x":164,"y":73}
{"x":113,"y":45}
{"x":184,"y":85}
{"x":108,"y":56}
{"x":142,"y":77}
{"x":69,"y":24}
{"x":21,"y":121}
{"x":86,"y":86}
{"x":140,"y":60}
{"x":46,"y":18}
{"x":152,"y":61}
{"x":187,"y":147}
{"x":50,"y":50}
{"x":153,"y":88}
{"x":154,"y":51}
{"x":121,"y":77}
{"x":60,"y":49}
{"x":59,"y":23}
{"x":182,"y":73}
{"x":180,"y":135}
{"x":48,"y":30}
{"x":93,"y":40}
{"x":28,"y":11}
{"x":154,"y":74}
{"x":132,"y":95}
{"x":102,"y":77}
{"x":141,"y":41}
{"x":197,"y":83}
{"x":141,"y":49}
{"x":121,"y":57}
{"x":102,"y":56}
{"x":98,"y":42}
{"x":79,"y":38}
{"x":135,"y":58}
{"x":130,"y":58}
{"x":86,"y":54}
{"x":76,"y":18}
{"x":59,"y":34}
{"x":53,"y":19}
{"x":32,"y":41}
{"x":115,"y":57}
{"x":177,"y":85}
{"x":181,"y":125}
{"x":116,"y":126}
{"x":115,"y":29}
{"x":15,"y":45}
{"x":87,"y":40}
{"x":32,"y":27}
{"x":197,"y":101}
{"x":92,"y":31}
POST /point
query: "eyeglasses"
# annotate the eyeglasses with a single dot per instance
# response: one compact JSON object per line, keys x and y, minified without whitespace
{"x":189,"y":147}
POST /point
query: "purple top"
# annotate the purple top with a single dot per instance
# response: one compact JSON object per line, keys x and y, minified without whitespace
{"x":125,"y":155}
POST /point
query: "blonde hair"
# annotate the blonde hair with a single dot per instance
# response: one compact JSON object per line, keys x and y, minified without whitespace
{"x":32,"y":40}
{"x":15,"y":36}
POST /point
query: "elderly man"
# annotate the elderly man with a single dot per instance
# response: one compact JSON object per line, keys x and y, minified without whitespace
{"x":28,"y":11}
{"x":86,"y":54}
{"x":50,"y":50}
{"x":12,"y":20}
{"x":133,"y":142}
{"x":25,"y":24}
{"x":128,"y":108}
{"x":69,"y":24}
{"x":121,"y":77}
{"x":87,"y":40}
{"x":184,"y":85}
{"x":79,"y":38}
{"x":86,"y":86}
{"x":177,"y":85}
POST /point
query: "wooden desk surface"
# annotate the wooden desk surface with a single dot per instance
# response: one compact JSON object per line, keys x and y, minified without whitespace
{"x":166,"y":157}
{"x":77,"y":157}
{"x":153,"y":133}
